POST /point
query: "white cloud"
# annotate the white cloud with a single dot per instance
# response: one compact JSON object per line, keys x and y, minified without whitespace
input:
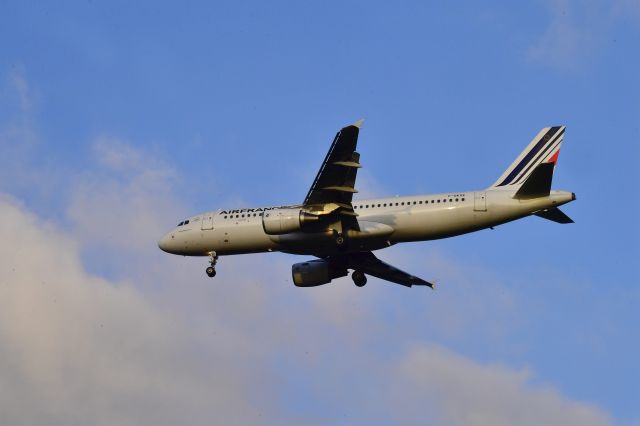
{"x":125,"y":204}
{"x":77,"y":349}
{"x":564,"y":43}
{"x":21,"y":86}
{"x":461,"y":392}
{"x":577,"y":30}
{"x":85,"y":350}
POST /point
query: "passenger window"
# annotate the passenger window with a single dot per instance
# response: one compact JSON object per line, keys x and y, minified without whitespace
{"x":385,"y":204}
{"x":456,"y":199}
{"x":438,"y":200}
{"x":225,"y":217}
{"x":402,"y":204}
{"x":463,"y":199}
{"x":378,"y":205}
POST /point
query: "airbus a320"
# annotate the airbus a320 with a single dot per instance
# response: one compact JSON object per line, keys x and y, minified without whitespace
{"x":342,"y":233}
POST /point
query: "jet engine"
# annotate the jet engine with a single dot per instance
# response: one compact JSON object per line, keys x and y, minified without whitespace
{"x":315,"y":272}
{"x":286,"y":220}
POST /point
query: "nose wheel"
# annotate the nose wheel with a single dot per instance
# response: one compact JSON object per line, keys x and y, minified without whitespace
{"x":359,"y":278}
{"x":213,"y":259}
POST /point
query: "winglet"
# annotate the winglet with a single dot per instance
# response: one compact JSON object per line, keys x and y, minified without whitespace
{"x":358,"y":123}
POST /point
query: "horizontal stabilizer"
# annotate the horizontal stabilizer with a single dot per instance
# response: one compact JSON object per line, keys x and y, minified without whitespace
{"x":554,"y":214}
{"x":538,"y":184}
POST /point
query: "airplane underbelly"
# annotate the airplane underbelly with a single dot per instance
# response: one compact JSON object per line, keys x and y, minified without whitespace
{"x":235,"y":238}
{"x":370,"y":236}
{"x":431,"y":225}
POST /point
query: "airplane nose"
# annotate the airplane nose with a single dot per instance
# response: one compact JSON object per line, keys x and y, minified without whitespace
{"x":165,"y":243}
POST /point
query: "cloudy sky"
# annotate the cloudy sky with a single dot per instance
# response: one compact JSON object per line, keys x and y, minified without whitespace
{"x":116,"y":120}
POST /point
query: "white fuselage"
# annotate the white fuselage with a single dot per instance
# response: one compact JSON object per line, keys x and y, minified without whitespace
{"x":382,"y":222}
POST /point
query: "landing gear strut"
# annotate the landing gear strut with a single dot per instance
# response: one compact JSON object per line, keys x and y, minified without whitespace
{"x":359,"y":278}
{"x":213,"y":259}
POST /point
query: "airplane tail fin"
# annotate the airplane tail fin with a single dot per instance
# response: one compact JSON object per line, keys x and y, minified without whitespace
{"x":543,"y":149}
{"x":538,"y":184}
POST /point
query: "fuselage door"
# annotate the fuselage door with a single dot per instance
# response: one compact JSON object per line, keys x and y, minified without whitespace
{"x":480,"y":202}
{"x":207,"y":221}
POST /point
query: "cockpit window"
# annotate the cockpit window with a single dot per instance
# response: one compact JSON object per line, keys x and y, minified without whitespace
{"x":186,"y":222}
{"x":181,"y":223}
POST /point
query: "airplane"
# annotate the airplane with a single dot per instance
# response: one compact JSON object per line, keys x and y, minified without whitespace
{"x":342,"y":233}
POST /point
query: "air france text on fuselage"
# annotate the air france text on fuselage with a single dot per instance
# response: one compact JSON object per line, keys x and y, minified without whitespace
{"x":259,"y":209}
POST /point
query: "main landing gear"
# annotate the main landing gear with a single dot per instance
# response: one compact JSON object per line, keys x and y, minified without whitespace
{"x":213,"y":259}
{"x":359,"y":278}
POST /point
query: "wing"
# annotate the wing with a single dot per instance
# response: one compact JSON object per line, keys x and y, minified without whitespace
{"x":335,"y":182}
{"x":368,"y":263}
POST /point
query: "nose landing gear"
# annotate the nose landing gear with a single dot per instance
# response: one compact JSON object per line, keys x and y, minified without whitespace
{"x":213,"y":259}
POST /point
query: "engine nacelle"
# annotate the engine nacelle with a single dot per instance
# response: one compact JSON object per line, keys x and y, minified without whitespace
{"x":286,"y":220}
{"x":315,"y":272}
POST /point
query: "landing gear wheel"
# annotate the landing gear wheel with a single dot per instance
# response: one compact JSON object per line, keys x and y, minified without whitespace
{"x":359,"y":278}
{"x":339,"y":240}
{"x":213,"y":259}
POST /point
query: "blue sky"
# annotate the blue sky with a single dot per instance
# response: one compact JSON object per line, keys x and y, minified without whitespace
{"x":118,"y":119}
